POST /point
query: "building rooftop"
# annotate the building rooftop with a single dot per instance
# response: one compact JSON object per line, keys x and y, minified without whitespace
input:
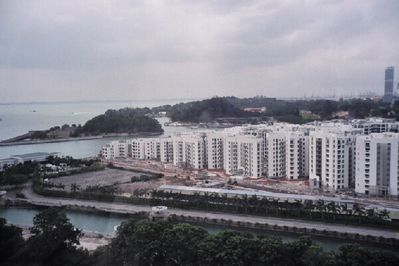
{"x":34,"y":155}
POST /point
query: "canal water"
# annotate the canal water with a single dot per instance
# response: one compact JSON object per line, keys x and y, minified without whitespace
{"x":104,"y":223}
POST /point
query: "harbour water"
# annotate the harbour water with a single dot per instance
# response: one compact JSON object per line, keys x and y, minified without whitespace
{"x":20,"y":118}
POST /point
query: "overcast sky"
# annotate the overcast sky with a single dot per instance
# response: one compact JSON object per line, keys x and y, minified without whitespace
{"x":100,"y":50}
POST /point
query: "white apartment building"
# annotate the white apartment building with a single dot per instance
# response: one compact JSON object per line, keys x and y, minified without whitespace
{"x":189,"y":151}
{"x":152,"y":148}
{"x":331,"y":156}
{"x":377,"y":165}
{"x":376,"y":125}
{"x":136,"y":149}
{"x":215,"y":150}
{"x":276,"y":162}
{"x":297,"y":155}
{"x":115,"y":149}
{"x":243,"y":155}
{"x":166,"y":150}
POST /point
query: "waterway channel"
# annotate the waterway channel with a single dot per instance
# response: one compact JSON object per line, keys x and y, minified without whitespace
{"x":104,"y":223}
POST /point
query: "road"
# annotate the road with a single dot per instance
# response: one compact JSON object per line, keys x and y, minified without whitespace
{"x":115,"y":207}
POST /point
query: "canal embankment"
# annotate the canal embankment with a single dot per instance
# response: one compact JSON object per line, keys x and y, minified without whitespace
{"x":338,"y":231}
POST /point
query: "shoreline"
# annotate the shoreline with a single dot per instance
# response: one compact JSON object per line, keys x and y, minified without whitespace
{"x":104,"y":136}
{"x":89,"y":240}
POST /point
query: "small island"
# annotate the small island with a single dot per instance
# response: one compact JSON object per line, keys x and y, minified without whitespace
{"x":126,"y":121}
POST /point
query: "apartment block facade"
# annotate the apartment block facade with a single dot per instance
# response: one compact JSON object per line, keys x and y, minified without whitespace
{"x":360,"y":154}
{"x":377,"y":167}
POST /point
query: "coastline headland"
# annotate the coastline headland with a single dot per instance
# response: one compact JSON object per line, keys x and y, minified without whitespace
{"x":41,"y":141}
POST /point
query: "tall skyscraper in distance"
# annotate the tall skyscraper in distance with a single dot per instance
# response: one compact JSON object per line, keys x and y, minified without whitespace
{"x":388,"y":89}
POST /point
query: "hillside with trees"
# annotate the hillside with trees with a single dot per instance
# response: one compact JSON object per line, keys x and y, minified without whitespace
{"x":291,"y":111}
{"x":126,"y":120}
{"x":205,"y":111}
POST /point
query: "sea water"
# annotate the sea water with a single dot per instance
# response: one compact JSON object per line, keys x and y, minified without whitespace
{"x":17,"y":119}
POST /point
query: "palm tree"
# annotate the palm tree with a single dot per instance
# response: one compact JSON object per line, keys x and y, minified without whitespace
{"x":321,"y":207}
{"x":74,"y":188}
{"x":371,"y":214}
{"x":244,"y":202}
{"x":276,"y":205}
{"x":309,"y":206}
{"x":332,"y":208}
{"x":298,"y":205}
{"x":358,"y":210}
{"x":265,"y":205}
{"x":384,"y":214}
{"x":344,"y":209}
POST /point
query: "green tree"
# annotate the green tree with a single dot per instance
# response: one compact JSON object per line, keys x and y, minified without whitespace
{"x":75,"y":188}
{"x":54,"y":241}
{"x":183,"y":240}
{"x":139,"y":243}
{"x":10,"y":241}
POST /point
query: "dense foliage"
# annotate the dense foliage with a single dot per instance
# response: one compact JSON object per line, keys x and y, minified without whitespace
{"x":70,"y":161}
{"x":54,"y":240}
{"x":18,"y":174}
{"x":144,"y":178}
{"x":163,"y":243}
{"x":127,"y":120}
{"x":205,"y":111}
{"x":23,"y":172}
{"x":11,"y":241}
{"x":281,"y":110}
{"x":357,"y":108}
{"x":98,"y":189}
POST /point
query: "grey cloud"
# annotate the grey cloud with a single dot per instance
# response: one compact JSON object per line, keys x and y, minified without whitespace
{"x":138,"y":49}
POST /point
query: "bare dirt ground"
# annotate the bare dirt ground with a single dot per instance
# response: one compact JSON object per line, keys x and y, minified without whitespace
{"x":120,"y":178}
{"x":173,"y":175}
{"x":102,"y":178}
{"x":282,"y":185}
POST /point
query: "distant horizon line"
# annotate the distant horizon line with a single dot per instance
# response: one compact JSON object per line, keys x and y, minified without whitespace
{"x":188,"y":99}
{"x":97,"y":101}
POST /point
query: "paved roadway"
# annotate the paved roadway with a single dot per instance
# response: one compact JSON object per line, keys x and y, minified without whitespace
{"x":132,"y":209}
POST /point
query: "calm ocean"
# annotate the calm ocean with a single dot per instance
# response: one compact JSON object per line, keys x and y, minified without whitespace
{"x":17,"y":119}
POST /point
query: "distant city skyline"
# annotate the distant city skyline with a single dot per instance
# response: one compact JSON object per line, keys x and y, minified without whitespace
{"x":389,"y":84}
{"x":143,"y":50}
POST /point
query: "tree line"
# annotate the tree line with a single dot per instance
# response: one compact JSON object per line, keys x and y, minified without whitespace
{"x":281,"y":110}
{"x":308,"y":210}
{"x":23,"y":172}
